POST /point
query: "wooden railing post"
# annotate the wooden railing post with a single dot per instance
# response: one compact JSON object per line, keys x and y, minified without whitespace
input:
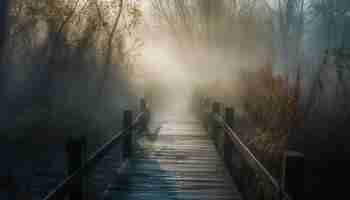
{"x":215,"y":125}
{"x":143,"y":108}
{"x":229,"y":117}
{"x":143,"y":105}
{"x":8,"y":182}
{"x":293,"y":174}
{"x":216,"y":108}
{"x":75,"y":151}
{"x":127,"y":125}
{"x":204,"y":114}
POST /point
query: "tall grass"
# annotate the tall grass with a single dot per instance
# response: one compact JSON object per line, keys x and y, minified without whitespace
{"x":307,"y":114}
{"x":271,"y":106}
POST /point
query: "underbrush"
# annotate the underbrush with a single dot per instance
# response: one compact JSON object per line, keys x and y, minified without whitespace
{"x":34,"y":144}
{"x":271,"y":107}
{"x":312,"y":118}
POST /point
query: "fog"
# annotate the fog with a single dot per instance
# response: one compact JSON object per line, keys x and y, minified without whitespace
{"x":70,"y":68}
{"x":180,"y":58}
{"x":66,"y":57}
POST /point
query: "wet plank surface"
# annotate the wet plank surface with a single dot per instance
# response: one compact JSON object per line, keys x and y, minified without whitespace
{"x":180,"y":162}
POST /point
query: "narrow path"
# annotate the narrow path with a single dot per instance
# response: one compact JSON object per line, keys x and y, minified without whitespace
{"x":180,"y":162}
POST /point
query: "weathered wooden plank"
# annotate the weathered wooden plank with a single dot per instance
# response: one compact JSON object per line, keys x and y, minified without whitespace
{"x":181,"y":163}
{"x":172,"y":196}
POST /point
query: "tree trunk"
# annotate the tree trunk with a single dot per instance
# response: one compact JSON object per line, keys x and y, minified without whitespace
{"x":3,"y":30}
{"x":108,"y":61}
{"x":52,"y":62}
{"x":3,"y":20}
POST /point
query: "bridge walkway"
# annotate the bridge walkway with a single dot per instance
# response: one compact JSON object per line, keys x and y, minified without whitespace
{"x":179,"y":161}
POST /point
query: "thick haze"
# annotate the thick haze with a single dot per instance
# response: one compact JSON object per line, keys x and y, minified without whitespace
{"x":178,"y":62}
{"x":207,"y":43}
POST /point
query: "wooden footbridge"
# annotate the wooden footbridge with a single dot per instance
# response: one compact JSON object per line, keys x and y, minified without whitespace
{"x":178,"y":155}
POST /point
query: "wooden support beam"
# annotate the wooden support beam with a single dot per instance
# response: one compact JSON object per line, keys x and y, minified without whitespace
{"x":127,"y":125}
{"x":229,"y":117}
{"x":216,"y":108}
{"x":215,"y":124}
{"x":143,"y":105}
{"x":145,"y":118}
{"x":293,"y":174}
{"x":75,"y":152}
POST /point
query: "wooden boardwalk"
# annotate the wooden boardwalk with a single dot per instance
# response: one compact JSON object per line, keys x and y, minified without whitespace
{"x":179,"y":162}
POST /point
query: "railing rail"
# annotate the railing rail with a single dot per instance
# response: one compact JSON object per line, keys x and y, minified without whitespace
{"x":248,"y":169}
{"x":64,"y":187}
{"x":251,"y":160}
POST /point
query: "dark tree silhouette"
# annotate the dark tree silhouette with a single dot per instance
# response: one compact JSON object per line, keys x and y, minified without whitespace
{"x":3,"y":20}
{"x":3,"y":16}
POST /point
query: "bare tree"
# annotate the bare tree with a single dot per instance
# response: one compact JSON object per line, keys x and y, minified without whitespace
{"x":219,"y":23}
{"x":330,"y":20}
{"x":291,"y":20}
{"x":73,"y":43}
{"x":57,"y":41}
{"x":110,"y":48}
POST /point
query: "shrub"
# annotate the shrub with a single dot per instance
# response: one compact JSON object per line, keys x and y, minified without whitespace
{"x":271,"y":105}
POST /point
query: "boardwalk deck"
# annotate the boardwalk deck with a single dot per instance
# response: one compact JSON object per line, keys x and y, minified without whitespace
{"x":181,"y":162}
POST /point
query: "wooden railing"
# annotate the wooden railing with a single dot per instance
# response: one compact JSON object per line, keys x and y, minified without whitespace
{"x":71,"y":187}
{"x":252,"y":178}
